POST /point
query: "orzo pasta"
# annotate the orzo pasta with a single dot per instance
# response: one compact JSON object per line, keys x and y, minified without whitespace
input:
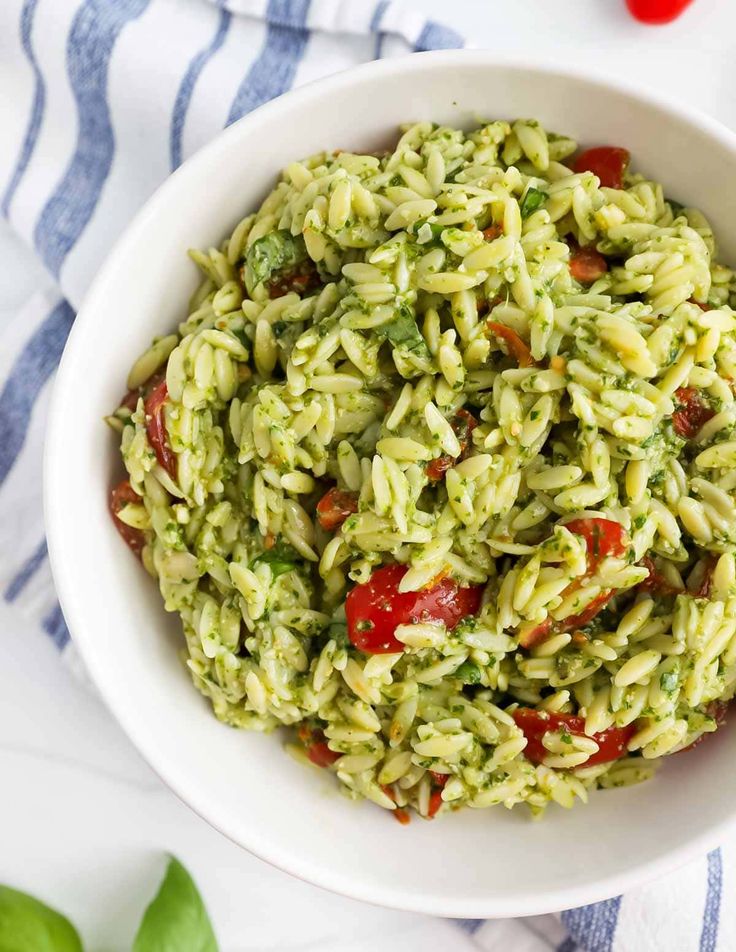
{"x":439,"y":471}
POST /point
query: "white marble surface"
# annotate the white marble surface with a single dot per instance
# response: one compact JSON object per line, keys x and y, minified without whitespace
{"x":84,"y":823}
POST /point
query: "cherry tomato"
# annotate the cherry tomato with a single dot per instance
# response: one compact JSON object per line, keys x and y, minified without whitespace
{"x":334,"y":508}
{"x":376,"y":608}
{"x":656,"y":582}
{"x":514,"y":344}
{"x":587,"y":264}
{"x":691,"y":414}
{"x":435,"y":802}
{"x":535,"y":724}
{"x":120,"y":496}
{"x":463,"y":424}
{"x":603,"y":538}
{"x":156,"y":428}
{"x":608,"y":162}
{"x":656,"y":12}
{"x":492,"y":232}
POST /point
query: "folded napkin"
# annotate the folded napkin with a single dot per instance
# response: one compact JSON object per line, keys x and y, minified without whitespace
{"x":102,"y":100}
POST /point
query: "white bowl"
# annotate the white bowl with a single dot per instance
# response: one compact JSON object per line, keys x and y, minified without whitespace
{"x":475,"y":863}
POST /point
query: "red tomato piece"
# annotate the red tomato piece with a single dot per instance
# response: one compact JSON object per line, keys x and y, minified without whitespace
{"x":435,"y":802}
{"x":656,"y":582}
{"x":301,"y":279}
{"x":334,"y":508}
{"x":439,"y":779}
{"x":463,"y":424}
{"x":402,"y":816}
{"x":156,"y":428}
{"x":603,"y":538}
{"x":586,"y":264}
{"x":321,"y":755}
{"x":535,"y":724}
{"x":120,"y":496}
{"x":608,"y":162}
{"x":492,"y":232}
{"x":656,"y":12}
{"x":515,"y":346}
{"x":588,"y":613}
{"x":703,"y":589}
{"x":691,"y":414}
{"x":375,"y":609}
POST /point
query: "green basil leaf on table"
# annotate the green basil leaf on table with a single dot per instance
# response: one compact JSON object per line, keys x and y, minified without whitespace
{"x":27,"y":925}
{"x":176,"y":920}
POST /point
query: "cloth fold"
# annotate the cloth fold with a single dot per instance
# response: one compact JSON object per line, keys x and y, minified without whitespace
{"x":103,"y":99}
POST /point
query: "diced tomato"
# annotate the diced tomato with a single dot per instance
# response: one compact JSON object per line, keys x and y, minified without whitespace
{"x":608,"y":162}
{"x":321,"y":755}
{"x":156,"y":428}
{"x":691,"y":414}
{"x":515,"y":346}
{"x":603,"y":538}
{"x":438,"y":779}
{"x":588,"y":613}
{"x":656,"y":582}
{"x":463,"y":424}
{"x":492,"y":232}
{"x":435,"y":802}
{"x":536,"y":634}
{"x":375,"y":609}
{"x":535,"y":724}
{"x":656,"y":12}
{"x":334,"y":508}
{"x":301,"y":279}
{"x":586,"y":264}
{"x":120,"y":496}
{"x":402,"y":816}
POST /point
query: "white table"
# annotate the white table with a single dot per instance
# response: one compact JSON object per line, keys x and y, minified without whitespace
{"x":84,"y":823}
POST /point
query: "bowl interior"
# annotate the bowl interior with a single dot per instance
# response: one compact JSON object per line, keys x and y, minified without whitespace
{"x":484,"y":863}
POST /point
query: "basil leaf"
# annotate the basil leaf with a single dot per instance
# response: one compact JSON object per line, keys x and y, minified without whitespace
{"x":281,"y":558}
{"x":176,"y":920}
{"x":402,"y":331}
{"x":274,"y":252}
{"x":468,"y":673}
{"x":26,"y":923}
{"x":533,"y":200}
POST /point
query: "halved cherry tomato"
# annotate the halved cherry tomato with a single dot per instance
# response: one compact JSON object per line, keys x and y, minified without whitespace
{"x":334,"y":508}
{"x":435,"y":802}
{"x":535,"y":724}
{"x":608,"y":162}
{"x":514,"y":344}
{"x":120,"y":496}
{"x":156,"y":428}
{"x":691,"y":414}
{"x":656,"y":12}
{"x":603,"y":538}
{"x":463,"y":424}
{"x":375,"y":609}
{"x":656,"y":582}
{"x":586,"y":264}
{"x":492,"y":232}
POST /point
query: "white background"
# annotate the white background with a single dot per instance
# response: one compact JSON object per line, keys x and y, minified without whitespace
{"x":83,"y":822}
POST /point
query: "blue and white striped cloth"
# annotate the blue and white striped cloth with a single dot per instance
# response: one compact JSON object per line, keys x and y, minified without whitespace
{"x":102,"y":100}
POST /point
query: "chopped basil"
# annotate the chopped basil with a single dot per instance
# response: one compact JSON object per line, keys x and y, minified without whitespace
{"x":668,"y":681}
{"x":403,"y":332}
{"x":276,"y":251}
{"x":468,"y":673}
{"x":532,"y":200}
{"x":281,"y":558}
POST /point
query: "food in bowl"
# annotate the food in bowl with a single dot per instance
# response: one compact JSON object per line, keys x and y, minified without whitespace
{"x":438,"y":471}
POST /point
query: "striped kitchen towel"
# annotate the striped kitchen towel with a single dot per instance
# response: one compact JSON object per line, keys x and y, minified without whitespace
{"x":102,"y":100}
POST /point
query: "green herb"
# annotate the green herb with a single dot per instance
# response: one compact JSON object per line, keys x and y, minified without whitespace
{"x":565,"y":738}
{"x":27,"y":924}
{"x":403,"y":332}
{"x":281,"y":558}
{"x":176,"y":920}
{"x":533,"y":200}
{"x":668,"y":681}
{"x":274,"y":252}
{"x":468,"y":673}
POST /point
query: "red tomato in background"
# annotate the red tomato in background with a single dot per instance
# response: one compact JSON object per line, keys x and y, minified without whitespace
{"x":334,"y":508}
{"x":535,"y":724}
{"x":657,"y":11}
{"x":608,"y":162}
{"x":376,"y":608}
{"x":156,"y":428}
{"x":120,"y":496}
